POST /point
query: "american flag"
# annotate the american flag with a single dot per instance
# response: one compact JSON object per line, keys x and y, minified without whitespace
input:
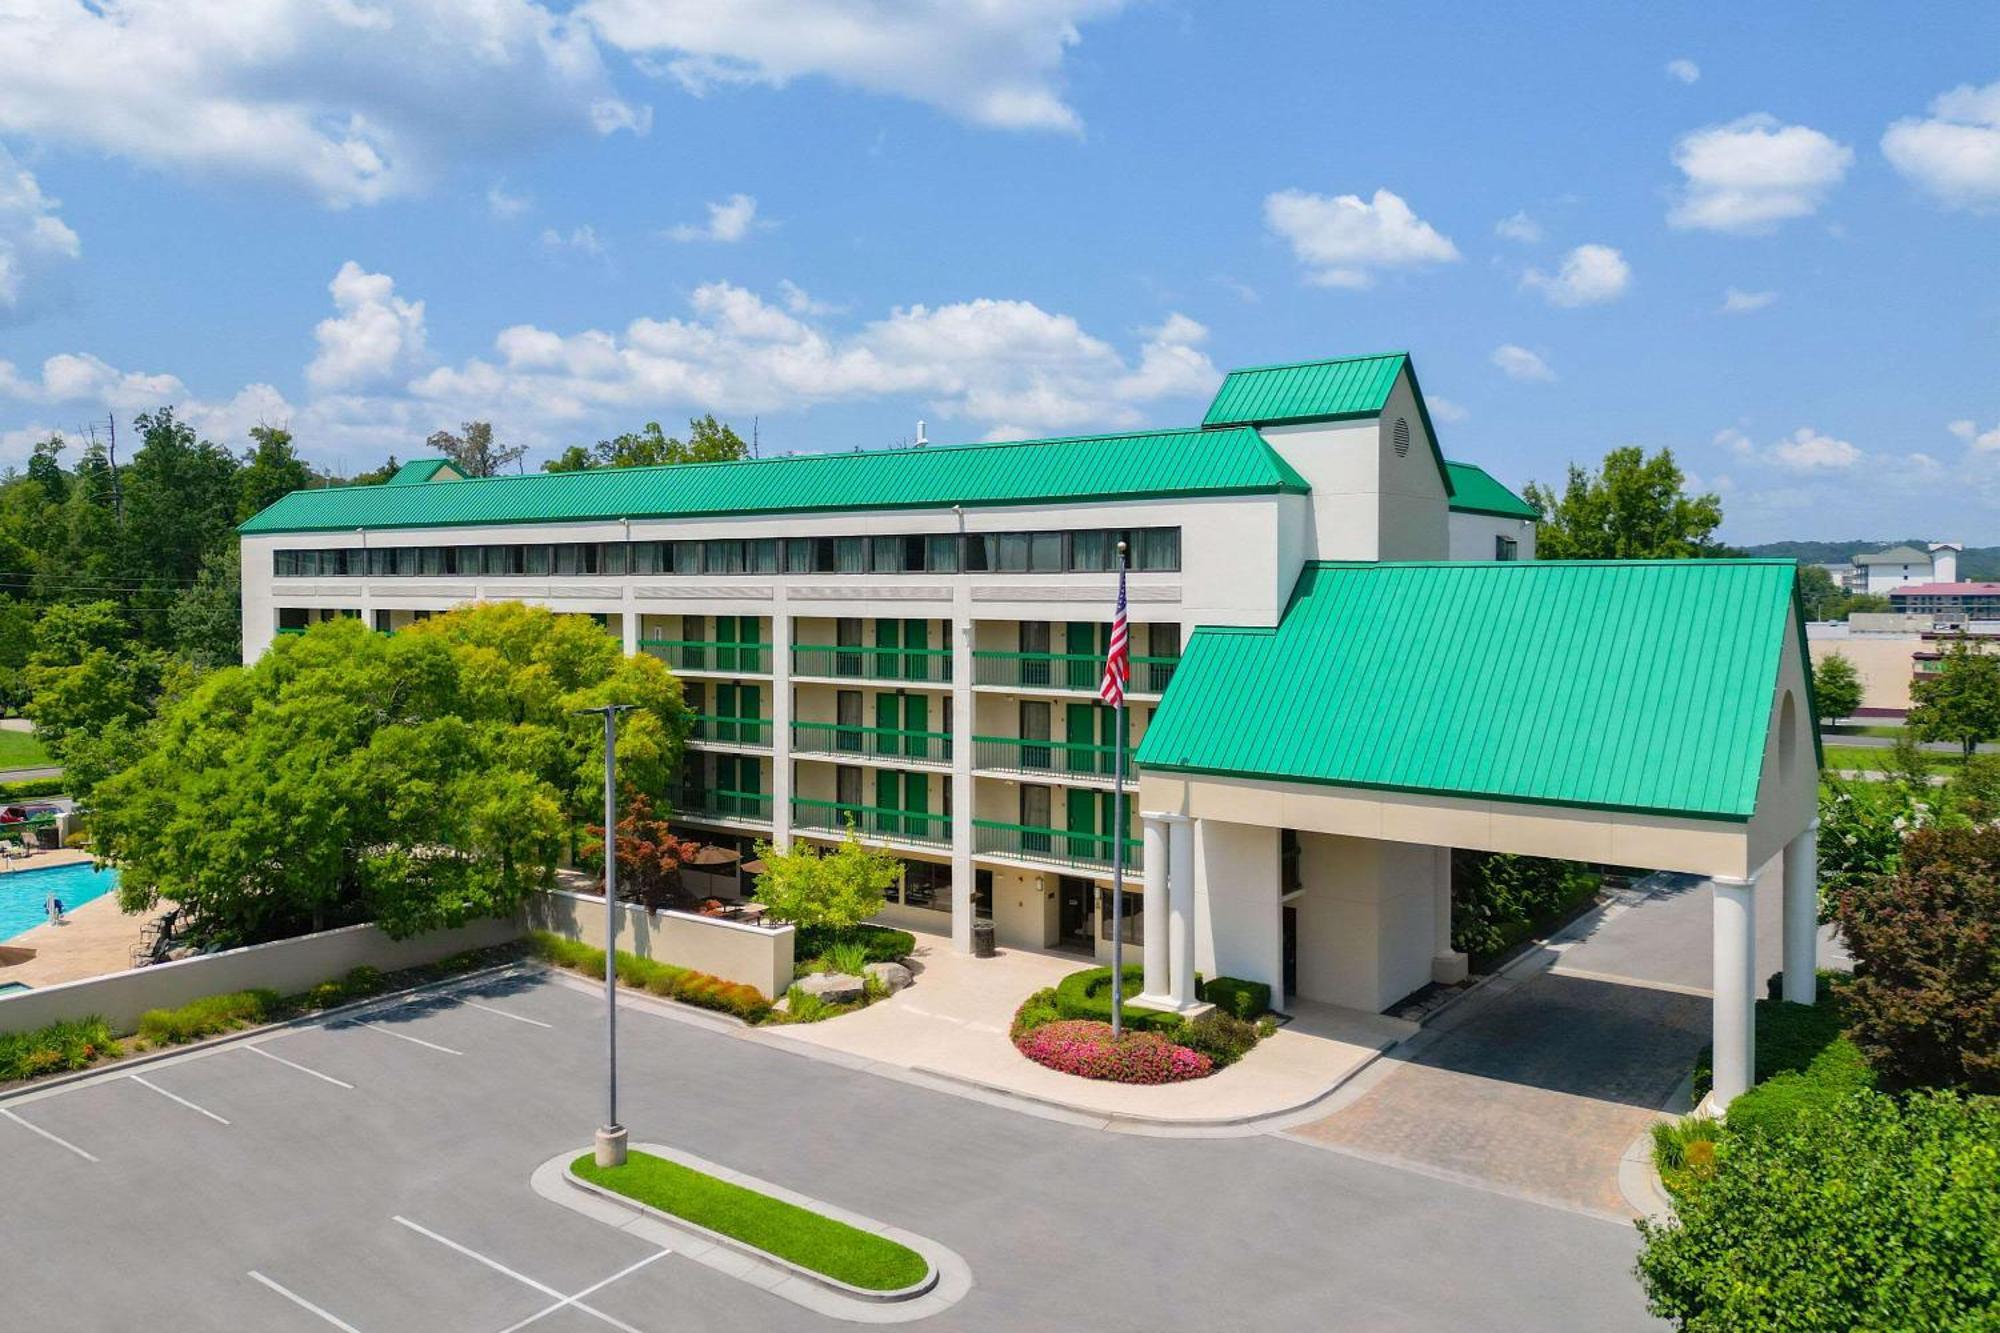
{"x":1117,"y":662}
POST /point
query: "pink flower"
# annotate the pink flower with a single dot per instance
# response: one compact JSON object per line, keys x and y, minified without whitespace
{"x":1085,"y":1048}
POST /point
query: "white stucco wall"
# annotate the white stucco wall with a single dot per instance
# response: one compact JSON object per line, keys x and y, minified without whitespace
{"x":1238,"y":927}
{"x":1472,"y":535}
{"x":1366,"y":918}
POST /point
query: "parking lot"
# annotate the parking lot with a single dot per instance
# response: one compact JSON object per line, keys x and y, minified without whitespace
{"x":372,"y":1174}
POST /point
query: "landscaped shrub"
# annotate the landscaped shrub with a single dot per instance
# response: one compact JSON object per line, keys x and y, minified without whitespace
{"x":849,"y":957}
{"x":208,"y":1016}
{"x":802,"y":1006}
{"x":657,"y":978}
{"x":1086,"y":1048}
{"x":1867,"y":1214}
{"x":1244,"y":999}
{"x":1924,"y":1006}
{"x":1087,"y":995}
{"x":731,"y":997}
{"x":1783,"y":1100}
{"x":882,"y":944}
{"x":57,"y":1048}
{"x":1222,"y":1037}
{"x":1789,"y":1036}
{"x":1035,"y":1011}
{"x":1684,"y":1150}
{"x":28,"y":788}
{"x":566,"y":952}
{"x":1497,"y":899}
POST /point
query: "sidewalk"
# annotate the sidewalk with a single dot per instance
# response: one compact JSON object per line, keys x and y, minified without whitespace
{"x":953,"y":1024}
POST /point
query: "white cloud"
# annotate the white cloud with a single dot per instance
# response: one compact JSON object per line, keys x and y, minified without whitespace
{"x":1590,"y":275}
{"x":1518,"y":363}
{"x":1519,"y":227}
{"x":1344,"y":240}
{"x":1735,"y":301}
{"x":1445,"y":409}
{"x":1955,"y":153}
{"x":1683,"y":69}
{"x":1980,"y":441}
{"x":1753,"y":173}
{"x":1804,"y":450}
{"x":504,"y":205}
{"x":991,"y":64}
{"x":580,"y":239}
{"x":728,"y":222}
{"x":33,"y":240}
{"x":375,"y":336}
{"x":801,"y":302}
{"x":69,"y":377}
{"x":352,"y":101}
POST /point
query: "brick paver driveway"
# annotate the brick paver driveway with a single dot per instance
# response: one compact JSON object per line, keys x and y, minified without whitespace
{"x":1538,"y":1090}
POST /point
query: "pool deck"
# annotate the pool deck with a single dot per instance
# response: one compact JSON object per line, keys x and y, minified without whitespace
{"x":97,"y":937}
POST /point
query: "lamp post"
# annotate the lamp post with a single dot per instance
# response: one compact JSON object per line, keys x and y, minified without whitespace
{"x":610,"y":1140}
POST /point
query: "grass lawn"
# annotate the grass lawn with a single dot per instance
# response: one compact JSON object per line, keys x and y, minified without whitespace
{"x":808,"y":1239}
{"x":20,"y":749}
{"x":1877,"y":760}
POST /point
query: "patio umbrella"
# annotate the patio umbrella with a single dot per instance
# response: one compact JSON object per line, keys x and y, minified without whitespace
{"x":713,"y":855}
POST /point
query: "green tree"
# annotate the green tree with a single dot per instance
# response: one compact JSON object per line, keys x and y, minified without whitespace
{"x":1836,"y":688}
{"x":376,"y":476}
{"x":45,"y":468}
{"x":474,"y":449}
{"x":17,"y":641}
{"x":835,"y":891}
{"x":1632,"y":508}
{"x":1960,"y":701}
{"x":207,"y":618}
{"x":708,"y":441}
{"x":271,"y":470}
{"x":92,"y":689}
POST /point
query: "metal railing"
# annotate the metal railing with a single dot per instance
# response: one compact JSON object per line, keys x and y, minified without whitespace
{"x":755,"y":731}
{"x":836,"y":738}
{"x":711,"y":655}
{"x":1029,"y":842}
{"x":873,"y":821}
{"x":1065,"y":671}
{"x":856,"y":662}
{"x":1011,"y":754}
{"x":747,"y":806}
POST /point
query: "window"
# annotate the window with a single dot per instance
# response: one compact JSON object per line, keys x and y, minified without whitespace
{"x":293,"y":617}
{"x":943,"y":554}
{"x":1013,"y":553}
{"x":645,"y":557}
{"x":722,"y":557}
{"x":406,"y":560}
{"x":611,"y":557}
{"x":1506,"y":548}
{"x":848,"y":555}
{"x":981,"y":552}
{"x":886,"y":555}
{"x":1045,"y":551}
{"x":847,"y":785}
{"x":799,"y":555}
{"x":537,"y":559}
{"x":284,"y":564}
{"x":1289,"y":878}
{"x":764,"y":555}
{"x":1160,"y":549}
{"x":1132,"y":905}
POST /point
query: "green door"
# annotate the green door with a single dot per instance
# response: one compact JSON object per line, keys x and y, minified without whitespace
{"x":888,"y":797}
{"x":886,"y":724}
{"x":916,"y":634}
{"x":917,"y":804}
{"x":887,"y":633}
{"x":916,"y":718}
{"x":725,"y":643}
{"x":749,"y":707}
{"x":725,"y":711}
{"x":1082,"y":823}
{"x":1081,"y":732}
{"x":1083,"y":656}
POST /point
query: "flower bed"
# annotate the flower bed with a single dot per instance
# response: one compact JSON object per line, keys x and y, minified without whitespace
{"x":1086,"y":1048}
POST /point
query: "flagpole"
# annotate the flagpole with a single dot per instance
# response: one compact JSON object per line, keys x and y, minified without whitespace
{"x":1118,"y":844}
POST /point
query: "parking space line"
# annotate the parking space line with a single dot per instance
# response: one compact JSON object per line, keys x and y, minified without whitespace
{"x":30,"y":1125}
{"x":302,"y":1302}
{"x":404,"y":1036}
{"x":498,"y":1267}
{"x":593,"y":1287}
{"x":324,"y":1078}
{"x":504,"y":1014}
{"x":176,"y":1097}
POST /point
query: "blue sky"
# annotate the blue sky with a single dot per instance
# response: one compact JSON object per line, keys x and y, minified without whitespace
{"x":1762,"y":237}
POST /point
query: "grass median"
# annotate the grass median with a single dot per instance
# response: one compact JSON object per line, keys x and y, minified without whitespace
{"x":799,"y":1235}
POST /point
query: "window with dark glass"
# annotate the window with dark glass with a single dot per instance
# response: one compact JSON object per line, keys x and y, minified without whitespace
{"x":849,"y":555}
{"x":942,"y":555}
{"x":1506,"y":548}
{"x":764,"y":555}
{"x":1160,"y":548}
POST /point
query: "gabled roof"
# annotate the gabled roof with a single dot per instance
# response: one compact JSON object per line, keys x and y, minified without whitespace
{"x":419,"y":470}
{"x":1895,"y":555}
{"x":1474,"y":491}
{"x":1626,"y":685}
{"x":1351,"y":386}
{"x":1075,"y":470}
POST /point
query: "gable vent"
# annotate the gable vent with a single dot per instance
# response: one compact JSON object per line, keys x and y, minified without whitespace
{"x":1401,"y":436}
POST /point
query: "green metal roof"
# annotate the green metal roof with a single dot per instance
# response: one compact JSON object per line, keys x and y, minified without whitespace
{"x":1073,"y":470}
{"x":1474,"y":491}
{"x":424,"y":469}
{"x":1625,"y":685}
{"x":1354,"y":386}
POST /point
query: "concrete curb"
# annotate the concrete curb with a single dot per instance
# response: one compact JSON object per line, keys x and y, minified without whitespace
{"x":1638,"y":1178}
{"x":949,"y":1280}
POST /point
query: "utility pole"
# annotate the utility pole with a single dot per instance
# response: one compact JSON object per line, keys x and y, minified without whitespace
{"x":610,"y":1141}
{"x":117,"y":495}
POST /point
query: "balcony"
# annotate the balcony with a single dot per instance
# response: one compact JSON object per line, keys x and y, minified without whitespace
{"x":725,"y":807}
{"x":1044,"y":759}
{"x":923,"y":666}
{"x":712,"y":656}
{"x":837,"y":740}
{"x":1065,"y":671}
{"x":872,"y":821}
{"x":714,"y":729}
{"x":1049,"y":846}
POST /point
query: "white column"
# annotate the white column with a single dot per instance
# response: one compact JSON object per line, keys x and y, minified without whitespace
{"x":1153,"y":853}
{"x":781,"y":721}
{"x":1735,"y":988}
{"x":963,"y":875}
{"x":1802,"y":915}
{"x":1180,"y":911}
{"x":1448,"y":965}
{"x":628,"y":620}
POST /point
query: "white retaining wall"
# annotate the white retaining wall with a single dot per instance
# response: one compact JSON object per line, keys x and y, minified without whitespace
{"x":286,"y":966}
{"x":732,"y":950}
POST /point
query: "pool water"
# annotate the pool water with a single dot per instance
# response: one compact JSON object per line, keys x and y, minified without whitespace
{"x":24,"y":893}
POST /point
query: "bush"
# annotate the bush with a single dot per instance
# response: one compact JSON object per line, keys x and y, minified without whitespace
{"x":1497,"y":899}
{"x":1867,"y":1213}
{"x":29,"y":788}
{"x":802,"y":1006}
{"x":1924,"y":1005}
{"x":731,"y":997}
{"x":848,"y":957}
{"x":1781,"y":1101}
{"x":1086,"y":995}
{"x":1222,"y":1037}
{"x":882,"y":944}
{"x":565,"y":952}
{"x":207,"y":1017}
{"x":56,"y":1049}
{"x":656,"y":978}
{"x":1037,"y":1010}
{"x":1086,"y":1048}
{"x":1789,"y":1036}
{"x":1684,"y":1150}
{"x":1244,"y":999}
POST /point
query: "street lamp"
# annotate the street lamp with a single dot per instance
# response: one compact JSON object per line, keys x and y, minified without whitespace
{"x":611,"y":1135}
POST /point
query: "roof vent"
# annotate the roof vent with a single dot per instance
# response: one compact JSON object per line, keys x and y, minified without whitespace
{"x":921,"y":439}
{"x":1401,"y":437}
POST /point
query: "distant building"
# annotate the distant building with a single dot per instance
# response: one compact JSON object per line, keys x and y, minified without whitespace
{"x":1953,"y":603}
{"x":1883,"y":572}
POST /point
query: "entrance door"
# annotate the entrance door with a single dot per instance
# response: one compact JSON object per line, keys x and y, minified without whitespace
{"x":1291,"y":953}
{"x":1073,"y":897}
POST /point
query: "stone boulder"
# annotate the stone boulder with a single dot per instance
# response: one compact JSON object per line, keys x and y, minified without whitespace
{"x":833,"y":987}
{"x":892,"y":975}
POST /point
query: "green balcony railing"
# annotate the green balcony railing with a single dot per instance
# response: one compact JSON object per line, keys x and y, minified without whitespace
{"x":1056,"y":846}
{"x":932,"y":665}
{"x":748,"y":806}
{"x":291,"y":629}
{"x":1065,"y":671}
{"x":834,"y":738}
{"x":731,"y":730}
{"x":873,"y":821}
{"x":1010,"y":754}
{"x":711,"y":655}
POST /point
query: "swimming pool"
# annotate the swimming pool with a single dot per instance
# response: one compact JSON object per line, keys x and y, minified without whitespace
{"x":24,"y":892}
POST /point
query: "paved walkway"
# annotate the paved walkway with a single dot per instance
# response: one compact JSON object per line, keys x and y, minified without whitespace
{"x":953,"y":1022}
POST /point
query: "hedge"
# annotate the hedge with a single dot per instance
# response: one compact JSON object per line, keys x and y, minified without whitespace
{"x":1087,"y":995}
{"x":56,"y":1049}
{"x":657,"y":978}
{"x":1789,"y":1036}
{"x":882,"y":944}
{"x":32,"y":787}
{"x":1244,"y":999}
